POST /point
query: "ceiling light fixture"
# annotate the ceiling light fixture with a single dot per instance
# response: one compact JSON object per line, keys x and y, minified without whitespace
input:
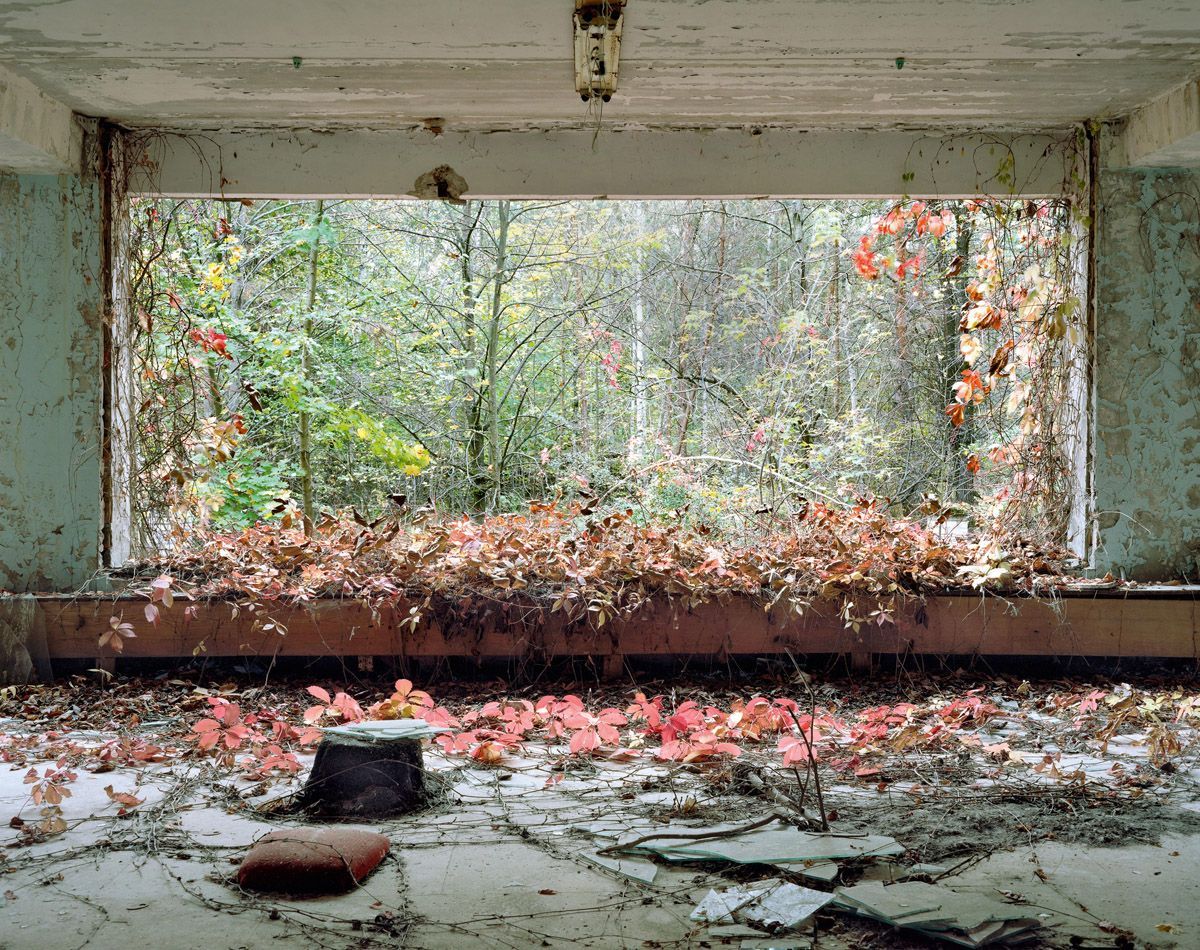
{"x":597,"y":47}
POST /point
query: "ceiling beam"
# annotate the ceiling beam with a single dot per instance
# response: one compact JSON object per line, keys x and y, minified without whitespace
{"x":266,"y":163}
{"x":38,"y":134}
{"x":1165,"y":133}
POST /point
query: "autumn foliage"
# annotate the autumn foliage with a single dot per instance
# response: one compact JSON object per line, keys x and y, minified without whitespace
{"x":1020,"y":340}
{"x":873,"y":738}
{"x":858,"y":741}
{"x":568,"y":558}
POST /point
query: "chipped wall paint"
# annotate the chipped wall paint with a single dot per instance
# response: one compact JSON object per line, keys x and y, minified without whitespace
{"x":647,"y":163}
{"x":998,"y":64}
{"x":37,"y":134}
{"x":1147,"y":373}
{"x":50,"y":381}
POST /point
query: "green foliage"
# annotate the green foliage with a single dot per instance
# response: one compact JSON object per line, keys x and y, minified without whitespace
{"x":243,"y":492}
{"x":709,"y":361}
{"x":382,"y":443}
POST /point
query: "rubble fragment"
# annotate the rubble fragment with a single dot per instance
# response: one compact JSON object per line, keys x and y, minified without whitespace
{"x":968,"y":920}
{"x":774,"y":843}
{"x":773,"y":904}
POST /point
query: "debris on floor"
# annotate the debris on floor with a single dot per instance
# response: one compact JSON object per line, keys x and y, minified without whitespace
{"x":604,"y":819}
{"x":773,"y":904}
{"x":638,"y":870}
{"x":891,"y":872}
{"x":312,"y":860}
{"x":968,"y":920}
{"x":774,"y":843}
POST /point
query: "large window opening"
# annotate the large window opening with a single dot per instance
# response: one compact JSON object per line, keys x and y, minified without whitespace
{"x":722,"y":367}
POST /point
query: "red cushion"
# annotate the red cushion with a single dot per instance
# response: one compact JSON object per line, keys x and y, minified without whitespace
{"x":312,"y":860}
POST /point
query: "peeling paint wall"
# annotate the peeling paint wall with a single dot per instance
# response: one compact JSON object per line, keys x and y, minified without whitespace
{"x":507,"y":64}
{"x":50,"y":381}
{"x":1147,"y":382}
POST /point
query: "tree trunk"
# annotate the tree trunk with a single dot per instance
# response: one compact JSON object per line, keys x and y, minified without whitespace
{"x":641,"y":424}
{"x":493,"y":345}
{"x":473,"y":421}
{"x":306,"y":479}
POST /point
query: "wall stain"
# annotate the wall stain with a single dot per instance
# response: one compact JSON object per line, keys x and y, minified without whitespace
{"x":1147,"y":461}
{"x":50,"y":381}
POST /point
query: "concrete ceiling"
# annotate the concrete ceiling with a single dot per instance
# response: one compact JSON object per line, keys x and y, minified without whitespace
{"x":505,"y":64}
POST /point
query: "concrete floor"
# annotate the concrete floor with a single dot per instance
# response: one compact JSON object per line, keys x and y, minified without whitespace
{"x":1149,"y":890}
{"x":497,"y":864}
{"x":505,"y":857}
{"x":473,"y":876}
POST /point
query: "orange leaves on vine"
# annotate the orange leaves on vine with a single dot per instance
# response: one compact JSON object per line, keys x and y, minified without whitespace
{"x":909,"y":267}
{"x":971,"y":388}
{"x":901,"y":222}
{"x":404,"y":703}
{"x":798,"y":749}
{"x":935,"y":224}
{"x":968,"y":391}
{"x":341,"y":707}
{"x":1001,"y":361}
{"x":211,"y":341}
{"x":594,"y":731}
{"x":118,"y":631}
{"x":126,"y":800}
{"x":161,"y":593}
{"x":981,"y":316}
{"x":866,"y":261}
{"x":1010,"y":293}
{"x":270,"y":761}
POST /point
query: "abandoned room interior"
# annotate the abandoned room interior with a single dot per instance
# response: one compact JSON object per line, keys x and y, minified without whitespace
{"x":601,"y":473}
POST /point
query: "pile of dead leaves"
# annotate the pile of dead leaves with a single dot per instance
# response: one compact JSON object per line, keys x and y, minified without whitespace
{"x":595,"y":567}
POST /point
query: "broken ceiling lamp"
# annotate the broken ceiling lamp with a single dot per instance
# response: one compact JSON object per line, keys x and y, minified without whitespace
{"x":597,"y":47}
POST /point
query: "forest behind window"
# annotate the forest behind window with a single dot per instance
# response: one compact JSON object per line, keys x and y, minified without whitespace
{"x":721,"y":363}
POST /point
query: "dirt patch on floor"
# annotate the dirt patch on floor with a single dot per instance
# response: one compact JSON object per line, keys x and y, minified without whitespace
{"x":950,"y":830}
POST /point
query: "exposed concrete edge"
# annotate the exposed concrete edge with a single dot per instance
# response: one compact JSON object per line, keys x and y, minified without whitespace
{"x":1164,"y":133}
{"x":584,"y":163}
{"x":24,"y":656}
{"x":38,"y":135}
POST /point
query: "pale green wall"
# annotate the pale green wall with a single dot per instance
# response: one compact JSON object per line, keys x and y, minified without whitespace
{"x":1147,"y":373}
{"x":50,"y":381}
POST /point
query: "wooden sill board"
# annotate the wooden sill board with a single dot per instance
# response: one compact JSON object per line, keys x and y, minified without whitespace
{"x":1143,"y":622}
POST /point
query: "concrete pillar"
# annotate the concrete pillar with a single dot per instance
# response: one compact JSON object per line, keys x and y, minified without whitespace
{"x":51,"y":380}
{"x":1146,"y":472}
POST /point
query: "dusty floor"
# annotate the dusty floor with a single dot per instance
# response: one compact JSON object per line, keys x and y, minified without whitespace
{"x":1102,"y":848}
